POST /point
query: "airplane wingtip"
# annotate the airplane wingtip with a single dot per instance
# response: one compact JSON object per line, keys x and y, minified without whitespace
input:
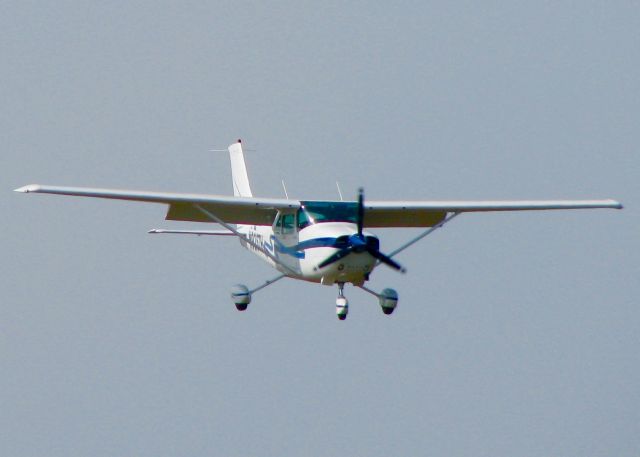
{"x":616,"y":204}
{"x":28,"y":188}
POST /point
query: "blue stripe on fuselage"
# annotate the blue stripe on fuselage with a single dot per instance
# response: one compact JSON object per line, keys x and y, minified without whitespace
{"x":297,"y":250}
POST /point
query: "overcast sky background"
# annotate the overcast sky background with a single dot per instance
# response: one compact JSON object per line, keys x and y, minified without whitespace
{"x":516,"y":334}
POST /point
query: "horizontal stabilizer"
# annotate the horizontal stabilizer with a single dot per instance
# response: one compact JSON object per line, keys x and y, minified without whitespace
{"x":194,"y":232}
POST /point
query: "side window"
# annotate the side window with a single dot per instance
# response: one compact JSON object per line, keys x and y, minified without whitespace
{"x":288,"y":223}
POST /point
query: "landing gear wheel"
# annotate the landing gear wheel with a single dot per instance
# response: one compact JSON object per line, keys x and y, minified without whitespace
{"x":388,"y":300}
{"x":342,"y":308}
{"x":342,"y":304}
{"x":241,"y":296}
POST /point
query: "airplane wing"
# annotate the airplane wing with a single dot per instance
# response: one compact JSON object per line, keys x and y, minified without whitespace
{"x":262,"y":211}
{"x":430,"y":213}
{"x":233,"y":210}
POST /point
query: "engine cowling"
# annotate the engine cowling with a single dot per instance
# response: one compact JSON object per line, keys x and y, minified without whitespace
{"x":388,"y":300}
{"x":241,"y":296}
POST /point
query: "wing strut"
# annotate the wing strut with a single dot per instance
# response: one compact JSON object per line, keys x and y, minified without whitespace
{"x":229,"y":227}
{"x":425,"y":233}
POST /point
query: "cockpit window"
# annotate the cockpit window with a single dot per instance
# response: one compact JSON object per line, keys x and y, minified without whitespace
{"x":317,"y":212}
{"x":288,"y":223}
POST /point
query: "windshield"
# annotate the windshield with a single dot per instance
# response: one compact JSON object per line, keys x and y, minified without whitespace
{"x":317,"y":212}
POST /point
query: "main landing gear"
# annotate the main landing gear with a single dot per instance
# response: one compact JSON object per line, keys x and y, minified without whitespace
{"x":388,"y":300}
{"x":241,"y":295}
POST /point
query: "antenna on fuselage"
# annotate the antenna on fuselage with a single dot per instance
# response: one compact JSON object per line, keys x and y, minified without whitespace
{"x":339,"y":191}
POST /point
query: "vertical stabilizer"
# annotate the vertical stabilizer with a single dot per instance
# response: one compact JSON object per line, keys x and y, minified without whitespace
{"x":239,"y":174}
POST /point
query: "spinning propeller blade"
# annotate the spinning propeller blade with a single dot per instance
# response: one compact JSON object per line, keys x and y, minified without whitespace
{"x":360,"y":211}
{"x":335,"y":257}
{"x":386,"y":260}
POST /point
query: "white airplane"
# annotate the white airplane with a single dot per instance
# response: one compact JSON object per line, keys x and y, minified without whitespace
{"x":317,"y":241}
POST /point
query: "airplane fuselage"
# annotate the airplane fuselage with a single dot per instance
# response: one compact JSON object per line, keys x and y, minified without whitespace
{"x":303,"y":250}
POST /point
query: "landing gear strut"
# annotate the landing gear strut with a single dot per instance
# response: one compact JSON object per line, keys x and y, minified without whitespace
{"x":342,"y":304}
{"x":388,"y":299}
{"x":241,"y":295}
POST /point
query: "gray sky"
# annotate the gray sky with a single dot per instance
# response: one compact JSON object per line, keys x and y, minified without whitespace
{"x":516,"y":334}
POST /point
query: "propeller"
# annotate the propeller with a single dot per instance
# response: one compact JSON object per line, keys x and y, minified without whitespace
{"x":359,"y":243}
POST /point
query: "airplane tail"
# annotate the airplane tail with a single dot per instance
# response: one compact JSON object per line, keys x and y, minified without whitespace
{"x":239,"y":174}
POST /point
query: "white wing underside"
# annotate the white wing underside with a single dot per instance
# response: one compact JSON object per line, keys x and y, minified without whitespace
{"x":262,"y":211}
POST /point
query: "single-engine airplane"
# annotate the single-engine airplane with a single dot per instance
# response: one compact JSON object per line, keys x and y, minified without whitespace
{"x":317,"y":241}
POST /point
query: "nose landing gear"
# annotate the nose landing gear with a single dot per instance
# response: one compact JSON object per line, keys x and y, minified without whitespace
{"x":342,"y":304}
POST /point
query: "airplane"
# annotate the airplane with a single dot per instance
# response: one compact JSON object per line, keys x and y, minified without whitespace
{"x":320,"y":241}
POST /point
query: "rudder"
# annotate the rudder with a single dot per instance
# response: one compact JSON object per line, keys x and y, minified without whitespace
{"x":241,"y":187}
